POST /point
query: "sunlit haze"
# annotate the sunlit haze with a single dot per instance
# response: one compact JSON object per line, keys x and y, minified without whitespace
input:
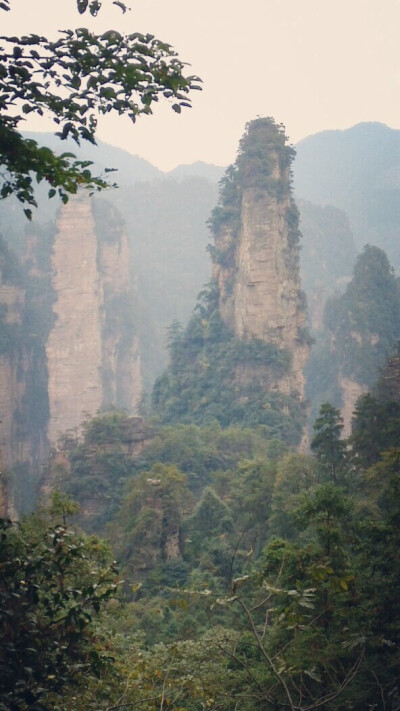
{"x":312,"y":65}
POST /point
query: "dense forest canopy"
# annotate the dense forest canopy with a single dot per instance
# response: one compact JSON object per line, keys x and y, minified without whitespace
{"x":253,"y":575}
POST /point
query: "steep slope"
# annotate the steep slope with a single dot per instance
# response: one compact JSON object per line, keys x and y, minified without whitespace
{"x":73,"y":349}
{"x":25,"y":319}
{"x":12,"y":299}
{"x":68,"y":335}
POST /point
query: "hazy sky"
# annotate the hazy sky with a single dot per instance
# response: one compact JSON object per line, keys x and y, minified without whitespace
{"x":311,"y":64}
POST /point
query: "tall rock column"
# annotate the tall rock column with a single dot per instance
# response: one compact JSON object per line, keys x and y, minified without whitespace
{"x":93,"y":357}
{"x":256,"y":253}
{"x":74,"y":348}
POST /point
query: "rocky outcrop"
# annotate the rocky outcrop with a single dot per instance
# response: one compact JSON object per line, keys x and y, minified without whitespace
{"x":67,"y":336}
{"x":92,"y":355}
{"x":11,"y":387}
{"x":256,"y":253}
{"x":74,"y":349}
{"x":121,"y":364}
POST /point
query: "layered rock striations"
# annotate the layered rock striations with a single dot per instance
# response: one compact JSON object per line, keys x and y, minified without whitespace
{"x":92,"y":353}
{"x":12,"y":298}
{"x":74,"y":349}
{"x":256,"y":253}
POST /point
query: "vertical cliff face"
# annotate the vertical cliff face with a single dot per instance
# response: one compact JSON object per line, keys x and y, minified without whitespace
{"x":67,"y":337}
{"x":92,"y":354}
{"x":11,"y":388}
{"x":23,"y":399}
{"x":121,"y":366}
{"x":74,"y":349}
{"x":256,"y":253}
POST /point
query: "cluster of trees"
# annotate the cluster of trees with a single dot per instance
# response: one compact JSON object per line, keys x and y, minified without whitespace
{"x":214,"y":376}
{"x":263,"y":148}
{"x":361,"y":327}
{"x":254,"y":577}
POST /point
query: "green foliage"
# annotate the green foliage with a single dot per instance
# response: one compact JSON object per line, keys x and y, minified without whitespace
{"x":362,"y":327}
{"x":376,"y":418}
{"x":229,"y":207}
{"x":205,"y":381}
{"x":203,"y":452}
{"x":296,"y":474}
{"x":263,"y":151}
{"x":73,"y":79}
{"x":329,"y":448}
{"x":54,"y":583}
{"x":149,"y":523}
{"x":231,"y":616}
{"x":371,"y":299}
{"x":97,"y":467}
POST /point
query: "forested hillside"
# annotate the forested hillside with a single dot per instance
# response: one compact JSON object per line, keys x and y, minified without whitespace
{"x":253,"y":577}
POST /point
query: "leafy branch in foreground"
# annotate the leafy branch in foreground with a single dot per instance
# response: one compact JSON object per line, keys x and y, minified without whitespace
{"x":74,"y":79}
{"x":54,"y":583}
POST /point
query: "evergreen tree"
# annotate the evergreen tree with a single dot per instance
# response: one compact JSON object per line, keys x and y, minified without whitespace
{"x":327,"y":445}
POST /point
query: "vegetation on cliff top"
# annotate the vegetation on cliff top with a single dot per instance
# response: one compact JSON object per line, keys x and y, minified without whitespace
{"x":263,"y":162}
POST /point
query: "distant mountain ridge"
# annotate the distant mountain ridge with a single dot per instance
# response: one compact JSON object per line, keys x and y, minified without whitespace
{"x":130,"y":168}
{"x":358,"y":171}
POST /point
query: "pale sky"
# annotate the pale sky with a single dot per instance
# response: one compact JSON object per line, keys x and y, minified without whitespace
{"x":311,"y":64}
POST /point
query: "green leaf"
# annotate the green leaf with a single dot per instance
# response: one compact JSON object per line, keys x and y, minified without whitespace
{"x":82,"y":6}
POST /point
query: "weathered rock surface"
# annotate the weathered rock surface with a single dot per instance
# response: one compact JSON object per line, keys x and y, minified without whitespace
{"x":11,"y":387}
{"x":67,"y":336}
{"x":256,"y":257}
{"x":92,"y":357}
{"x":74,"y":349}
